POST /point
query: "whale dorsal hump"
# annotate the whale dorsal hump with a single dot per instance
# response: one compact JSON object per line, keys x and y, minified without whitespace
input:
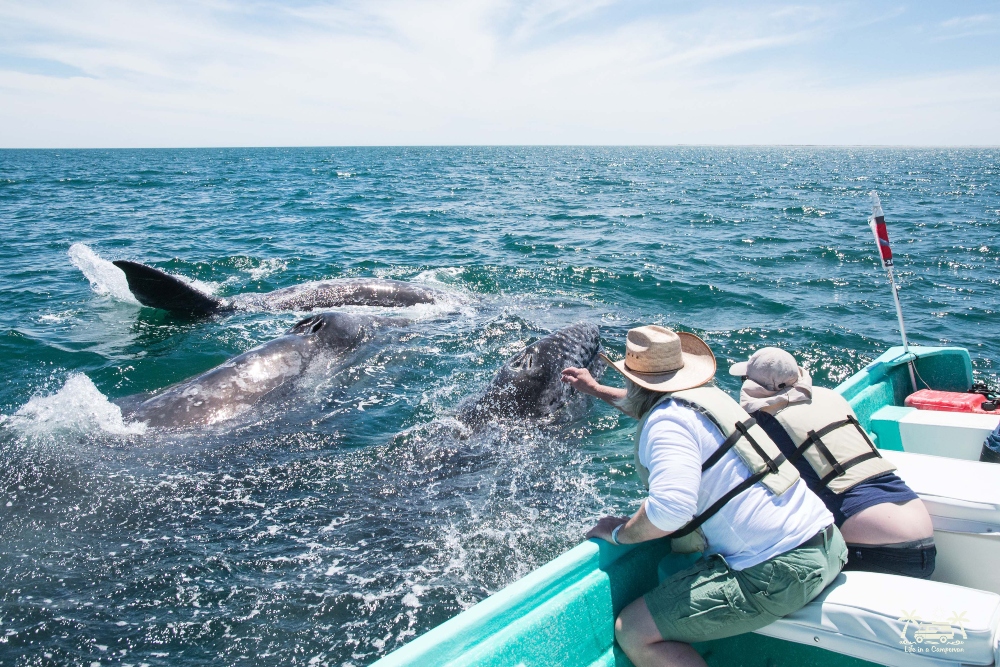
{"x":156,"y":289}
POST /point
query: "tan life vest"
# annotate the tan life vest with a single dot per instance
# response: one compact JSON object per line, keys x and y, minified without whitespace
{"x":839,"y":451}
{"x":754,"y":447}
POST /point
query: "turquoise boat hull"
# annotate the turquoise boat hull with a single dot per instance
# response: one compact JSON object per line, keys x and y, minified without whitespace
{"x":885,"y":382}
{"x":563,"y":613}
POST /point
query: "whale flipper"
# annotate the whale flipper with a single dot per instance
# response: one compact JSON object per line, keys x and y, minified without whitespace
{"x":156,"y":289}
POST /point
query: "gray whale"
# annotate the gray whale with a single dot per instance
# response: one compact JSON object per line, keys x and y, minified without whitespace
{"x":525,"y":400}
{"x":233,"y":387}
{"x":157,"y":289}
{"x":528,"y":385}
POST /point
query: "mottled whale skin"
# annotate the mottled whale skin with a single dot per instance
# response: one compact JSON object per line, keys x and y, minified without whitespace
{"x":157,"y":289}
{"x":234,"y":386}
{"x":528,"y":386}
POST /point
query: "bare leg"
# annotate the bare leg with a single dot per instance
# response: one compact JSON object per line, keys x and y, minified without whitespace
{"x":640,"y":639}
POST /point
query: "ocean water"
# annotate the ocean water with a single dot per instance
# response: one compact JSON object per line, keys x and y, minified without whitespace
{"x":332,"y":526}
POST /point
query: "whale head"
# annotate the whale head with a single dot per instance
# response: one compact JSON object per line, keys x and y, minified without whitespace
{"x":528,"y":386}
{"x":340,"y":330}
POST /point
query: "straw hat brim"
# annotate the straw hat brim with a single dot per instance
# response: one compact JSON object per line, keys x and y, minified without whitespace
{"x":699,"y":367}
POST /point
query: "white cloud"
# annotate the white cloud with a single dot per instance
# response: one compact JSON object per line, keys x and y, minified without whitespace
{"x":447,"y":72}
{"x":962,"y":27}
{"x":963,"y":22}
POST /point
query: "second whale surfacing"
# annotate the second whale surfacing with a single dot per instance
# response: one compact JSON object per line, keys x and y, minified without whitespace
{"x":158,"y":289}
{"x":505,"y":440}
{"x":235,"y":386}
{"x":529,"y":385}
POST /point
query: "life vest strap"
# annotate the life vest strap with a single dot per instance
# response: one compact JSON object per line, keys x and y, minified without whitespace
{"x":849,"y":464}
{"x":772,"y":465}
{"x":816,"y":439}
{"x":864,"y":433}
{"x":697,"y":521}
{"x":730,"y":442}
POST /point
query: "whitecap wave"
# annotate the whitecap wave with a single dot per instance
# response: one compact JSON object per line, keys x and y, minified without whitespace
{"x":452,"y":303}
{"x":57,"y":318}
{"x":256,"y":269}
{"x":78,"y":407}
{"x":447,"y":275}
{"x":104,"y":277}
{"x":266,"y":268}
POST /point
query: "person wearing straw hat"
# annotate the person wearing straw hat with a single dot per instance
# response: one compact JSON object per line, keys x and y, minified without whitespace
{"x":886,"y":526}
{"x":714,"y":483}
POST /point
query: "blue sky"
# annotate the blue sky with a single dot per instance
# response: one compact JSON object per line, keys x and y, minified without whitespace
{"x":96,"y":73}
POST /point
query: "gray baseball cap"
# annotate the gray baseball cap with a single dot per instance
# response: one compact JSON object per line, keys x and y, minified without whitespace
{"x":770,"y":367}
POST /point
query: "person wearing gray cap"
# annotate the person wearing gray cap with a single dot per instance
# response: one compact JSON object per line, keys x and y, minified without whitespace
{"x":715,"y":484}
{"x":886,"y":526}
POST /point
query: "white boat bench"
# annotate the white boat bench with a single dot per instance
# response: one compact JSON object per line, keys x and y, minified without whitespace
{"x":963,"y":499}
{"x":898,"y":621}
{"x":958,"y":435}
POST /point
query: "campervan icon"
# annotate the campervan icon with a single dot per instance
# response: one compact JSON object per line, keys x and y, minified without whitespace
{"x":930,"y":632}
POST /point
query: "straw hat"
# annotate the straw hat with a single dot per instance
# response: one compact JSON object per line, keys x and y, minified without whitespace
{"x":664,"y":360}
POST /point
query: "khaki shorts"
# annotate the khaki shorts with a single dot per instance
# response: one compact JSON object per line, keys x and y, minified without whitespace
{"x":711,"y":601}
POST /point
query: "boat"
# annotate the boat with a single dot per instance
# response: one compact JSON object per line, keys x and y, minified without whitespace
{"x":563,"y":613}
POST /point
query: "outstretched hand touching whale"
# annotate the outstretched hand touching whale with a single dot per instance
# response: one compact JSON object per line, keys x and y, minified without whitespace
{"x":584,"y":382}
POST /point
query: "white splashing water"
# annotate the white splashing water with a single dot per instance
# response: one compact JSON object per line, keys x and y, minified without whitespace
{"x":78,"y":407}
{"x":448,"y":302}
{"x":200,"y":285}
{"x":104,"y":277}
{"x":266,"y":268}
{"x":445,"y":306}
{"x":56,"y":318}
{"x":445,"y":275}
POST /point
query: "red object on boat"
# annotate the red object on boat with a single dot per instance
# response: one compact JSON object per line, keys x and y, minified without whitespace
{"x":947,"y":401}
{"x":882,"y":234}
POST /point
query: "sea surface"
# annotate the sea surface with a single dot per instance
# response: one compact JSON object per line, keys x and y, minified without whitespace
{"x":335,"y":525}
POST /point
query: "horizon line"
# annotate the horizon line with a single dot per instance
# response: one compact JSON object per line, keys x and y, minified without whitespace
{"x":678,"y":145}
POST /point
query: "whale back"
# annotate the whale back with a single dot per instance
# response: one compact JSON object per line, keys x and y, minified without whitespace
{"x":158,"y":289}
{"x":235,"y":386}
{"x":338,"y":292}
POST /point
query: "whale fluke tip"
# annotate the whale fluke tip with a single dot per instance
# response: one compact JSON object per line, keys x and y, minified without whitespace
{"x":156,"y":289}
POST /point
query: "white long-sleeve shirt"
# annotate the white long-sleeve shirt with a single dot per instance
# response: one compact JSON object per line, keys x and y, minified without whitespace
{"x":752,"y":527}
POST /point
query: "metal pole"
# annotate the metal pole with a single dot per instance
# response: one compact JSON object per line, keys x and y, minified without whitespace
{"x":885,"y":255}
